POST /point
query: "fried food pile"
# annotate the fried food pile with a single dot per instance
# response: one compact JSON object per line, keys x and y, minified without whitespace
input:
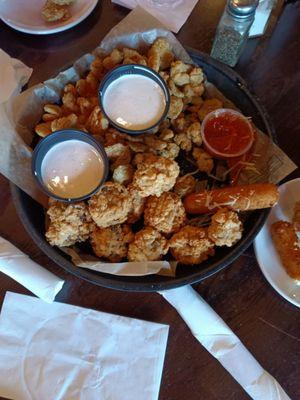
{"x":286,"y":238}
{"x":138,"y":215}
{"x":57,"y":10}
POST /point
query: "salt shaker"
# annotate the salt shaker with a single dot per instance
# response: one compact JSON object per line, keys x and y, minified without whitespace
{"x":233,"y":29}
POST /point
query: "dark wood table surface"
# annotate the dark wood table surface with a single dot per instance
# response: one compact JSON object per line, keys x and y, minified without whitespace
{"x":266,"y":323}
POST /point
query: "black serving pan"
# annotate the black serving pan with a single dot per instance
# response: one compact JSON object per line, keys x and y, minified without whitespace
{"x":32,"y":214}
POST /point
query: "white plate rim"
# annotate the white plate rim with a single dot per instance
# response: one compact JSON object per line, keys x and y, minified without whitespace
{"x":57,"y":29}
{"x":263,"y":269}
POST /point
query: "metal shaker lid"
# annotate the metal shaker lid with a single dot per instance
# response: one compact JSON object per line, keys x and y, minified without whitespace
{"x":242,"y":8}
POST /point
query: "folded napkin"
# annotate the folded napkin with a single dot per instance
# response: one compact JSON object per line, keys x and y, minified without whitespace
{"x":29,"y":274}
{"x":62,"y":352}
{"x":171,"y":13}
{"x":13,"y":75}
{"x":212,"y":332}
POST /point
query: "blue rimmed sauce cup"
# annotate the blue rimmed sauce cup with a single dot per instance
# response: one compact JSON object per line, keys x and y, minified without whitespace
{"x":134,"y":72}
{"x":58,"y":146}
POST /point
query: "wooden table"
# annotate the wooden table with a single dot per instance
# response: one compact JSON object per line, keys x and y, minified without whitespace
{"x":266,"y":323}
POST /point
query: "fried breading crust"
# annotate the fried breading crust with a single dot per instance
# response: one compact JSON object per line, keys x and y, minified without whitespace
{"x":287,"y":245}
{"x":112,"y":243}
{"x":165,"y":213}
{"x":55,"y":12}
{"x":191,"y":245}
{"x":154,"y":175}
{"x":137,"y":205}
{"x":111,"y":205}
{"x":148,"y":245}
{"x":184,"y":185}
{"x":225,"y":228}
{"x":296,"y":216}
{"x":69,"y":223}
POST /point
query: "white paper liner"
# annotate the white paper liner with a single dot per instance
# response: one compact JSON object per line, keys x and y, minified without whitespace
{"x":14,"y":75}
{"x":166,"y":268}
{"x":28,"y":273}
{"x":138,"y":30}
{"x":212,"y":332}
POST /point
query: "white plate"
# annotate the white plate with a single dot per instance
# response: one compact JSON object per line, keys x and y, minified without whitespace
{"x":265,"y":251}
{"x":25,"y":15}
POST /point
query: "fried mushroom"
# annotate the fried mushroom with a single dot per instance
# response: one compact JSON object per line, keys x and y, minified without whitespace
{"x":137,"y":205}
{"x":112,"y":242}
{"x":69,"y":223}
{"x":184,"y":185}
{"x":154,"y":175}
{"x":111,"y":205}
{"x":165,"y":213}
{"x":203,"y":160}
{"x":225,"y":228}
{"x":123,"y":174}
{"x":148,"y":245}
{"x":191,"y":245}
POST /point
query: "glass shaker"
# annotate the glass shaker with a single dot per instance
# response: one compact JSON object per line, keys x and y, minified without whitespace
{"x":233,"y":30}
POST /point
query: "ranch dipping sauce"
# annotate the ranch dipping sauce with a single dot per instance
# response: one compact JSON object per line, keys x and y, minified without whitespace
{"x":134,"y":102}
{"x":72,"y":169}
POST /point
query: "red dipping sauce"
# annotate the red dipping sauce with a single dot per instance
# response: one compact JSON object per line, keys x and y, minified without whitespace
{"x":226,"y":133}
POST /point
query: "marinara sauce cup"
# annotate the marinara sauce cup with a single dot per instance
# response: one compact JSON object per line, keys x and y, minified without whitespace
{"x":226,"y":133}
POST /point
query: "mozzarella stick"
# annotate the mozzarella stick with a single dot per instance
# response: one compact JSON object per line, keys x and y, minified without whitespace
{"x":239,"y":198}
{"x":288,"y":247}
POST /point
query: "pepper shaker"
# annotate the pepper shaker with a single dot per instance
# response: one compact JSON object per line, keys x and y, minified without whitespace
{"x":233,"y":29}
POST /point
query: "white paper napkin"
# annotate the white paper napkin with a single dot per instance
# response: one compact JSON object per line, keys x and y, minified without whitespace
{"x":171,"y":13}
{"x":212,"y":332}
{"x":13,"y":75}
{"x":29,"y":274}
{"x":62,"y":352}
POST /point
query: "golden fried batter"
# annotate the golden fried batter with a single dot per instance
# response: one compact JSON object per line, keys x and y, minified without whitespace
{"x":131,"y":56}
{"x":296,"y":216}
{"x":111,"y":205}
{"x":209,"y":106}
{"x":166,"y":134}
{"x":112,"y":243}
{"x":97,"y":122}
{"x":118,"y":154}
{"x":184,"y":185}
{"x":183,"y":141}
{"x":160,"y":55}
{"x":204,"y":160}
{"x":123,"y":174}
{"x":194,"y":133}
{"x":43,"y":129}
{"x":170,"y":151}
{"x":69,"y":223}
{"x":115,"y":58}
{"x":287,"y":245}
{"x":191,"y":245}
{"x":161,"y":147}
{"x":137,"y":205}
{"x":148,"y":245}
{"x":165,"y":213}
{"x":52,"y":12}
{"x":196,"y":76}
{"x":176,"y":106}
{"x":155,"y":175}
{"x":64,"y":122}
{"x":225,"y":228}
